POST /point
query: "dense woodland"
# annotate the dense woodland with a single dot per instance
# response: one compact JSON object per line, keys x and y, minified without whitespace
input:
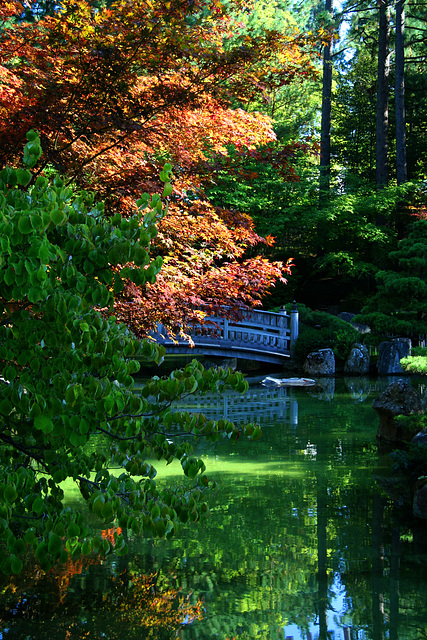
{"x":162,"y":161}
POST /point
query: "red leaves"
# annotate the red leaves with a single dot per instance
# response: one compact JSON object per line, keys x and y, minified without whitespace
{"x":180,"y":297}
{"x":116,"y":92}
{"x":110,"y":73}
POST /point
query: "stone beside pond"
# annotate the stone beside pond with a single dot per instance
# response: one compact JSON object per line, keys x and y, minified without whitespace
{"x":400,"y":398}
{"x":390,"y":354}
{"x":320,"y":363}
{"x":358,"y":361}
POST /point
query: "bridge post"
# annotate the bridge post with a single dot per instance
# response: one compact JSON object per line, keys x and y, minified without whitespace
{"x":226,"y":335}
{"x":294,"y":325}
{"x":282,"y":322}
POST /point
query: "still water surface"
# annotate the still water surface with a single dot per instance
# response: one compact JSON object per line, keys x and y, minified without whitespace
{"x":301,"y":542}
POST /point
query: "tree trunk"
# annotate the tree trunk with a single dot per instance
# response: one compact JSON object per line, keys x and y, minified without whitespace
{"x":382,"y":94}
{"x":325,"y":131}
{"x":401,"y":166}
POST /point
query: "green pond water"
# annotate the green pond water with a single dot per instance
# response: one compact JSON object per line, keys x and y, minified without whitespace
{"x":301,"y":542}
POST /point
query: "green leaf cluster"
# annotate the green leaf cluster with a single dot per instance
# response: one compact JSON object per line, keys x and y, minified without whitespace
{"x":416,"y":362}
{"x":68,"y":408}
{"x":399,"y":306}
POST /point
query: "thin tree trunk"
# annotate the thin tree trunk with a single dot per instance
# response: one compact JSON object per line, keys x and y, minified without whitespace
{"x":325,"y":131}
{"x":401,"y":166}
{"x":382,"y":94}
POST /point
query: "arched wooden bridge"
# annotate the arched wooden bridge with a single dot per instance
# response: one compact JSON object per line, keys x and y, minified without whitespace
{"x":262,"y":336}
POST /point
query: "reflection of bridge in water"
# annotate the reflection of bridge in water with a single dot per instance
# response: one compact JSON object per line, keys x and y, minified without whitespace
{"x":258,"y":404}
{"x":258,"y":335}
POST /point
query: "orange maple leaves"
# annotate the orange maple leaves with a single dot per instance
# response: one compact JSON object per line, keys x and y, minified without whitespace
{"x":117,"y":91}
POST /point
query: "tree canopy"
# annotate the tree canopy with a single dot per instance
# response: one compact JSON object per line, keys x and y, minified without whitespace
{"x":115,"y":91}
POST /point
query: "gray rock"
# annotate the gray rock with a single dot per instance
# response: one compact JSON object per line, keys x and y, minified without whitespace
{"x":220,"y":363}
{"x":358,"y":360}
{"x":390,"y":354}
{"x":398,"y":399}
{"x":362,"y":328}
{"x":230,"y":362}
{"x":320,"y":363}
{"x":349,"y":317}
{"x":346,"y":315}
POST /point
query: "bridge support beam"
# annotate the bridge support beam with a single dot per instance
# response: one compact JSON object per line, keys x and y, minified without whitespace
{"x":294,"y":325}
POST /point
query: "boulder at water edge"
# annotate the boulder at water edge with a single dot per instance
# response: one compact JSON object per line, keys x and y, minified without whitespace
{"x":358,"y":360}
{"x":398,"y":399}
{"x":220,"y":363}
{"x":390,"y":354}
{"x":320,"y":363}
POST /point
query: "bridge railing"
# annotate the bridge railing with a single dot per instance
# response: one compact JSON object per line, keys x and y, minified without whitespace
{"x":256,"y":329}
{"x":269,"y":331}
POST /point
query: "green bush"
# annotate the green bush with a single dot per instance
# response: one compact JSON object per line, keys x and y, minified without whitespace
{"x":419,"y":351}
{"x":320,"y":330}
{"x":416,"y":362}
{"x":309,"y":340}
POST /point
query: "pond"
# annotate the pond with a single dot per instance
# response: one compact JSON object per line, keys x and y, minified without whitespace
{"x":301,"y":542}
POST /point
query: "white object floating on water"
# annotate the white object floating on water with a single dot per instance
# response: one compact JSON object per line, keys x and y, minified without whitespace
{"x":287,"y":382}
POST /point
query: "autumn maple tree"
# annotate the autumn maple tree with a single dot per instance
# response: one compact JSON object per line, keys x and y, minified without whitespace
{"x":115,"y":92}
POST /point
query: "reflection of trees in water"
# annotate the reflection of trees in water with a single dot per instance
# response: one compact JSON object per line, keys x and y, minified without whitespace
{"x":335,"y":532}
{"x":92,"y":599}
{"x":278,"y":543}
{"x":254,"y":579}
{"x":250,"y":570}
{"x":387,"y":596}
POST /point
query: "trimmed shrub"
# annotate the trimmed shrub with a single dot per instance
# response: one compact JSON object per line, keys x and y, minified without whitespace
{"x":320,"y":330}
